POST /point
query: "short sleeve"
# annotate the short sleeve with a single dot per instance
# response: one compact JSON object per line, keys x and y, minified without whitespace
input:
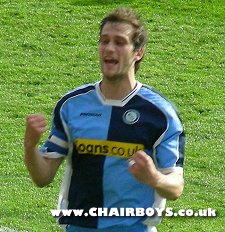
{"x":57,"y":143}
{"x":169,"y":152}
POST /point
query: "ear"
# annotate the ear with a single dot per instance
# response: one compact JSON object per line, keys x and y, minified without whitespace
{"x":139,"y":54}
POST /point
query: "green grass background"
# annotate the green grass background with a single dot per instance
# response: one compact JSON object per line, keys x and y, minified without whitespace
{"x":49,"y":47}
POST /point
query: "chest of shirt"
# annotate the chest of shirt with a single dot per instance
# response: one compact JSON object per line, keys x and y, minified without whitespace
{"x":135,"y":122}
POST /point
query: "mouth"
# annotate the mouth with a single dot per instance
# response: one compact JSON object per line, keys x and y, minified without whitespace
{"x":110,"y":61}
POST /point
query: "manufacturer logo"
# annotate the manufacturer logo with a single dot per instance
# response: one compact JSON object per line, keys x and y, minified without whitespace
{"x":131,"y":116}
{"x":91,"y":114}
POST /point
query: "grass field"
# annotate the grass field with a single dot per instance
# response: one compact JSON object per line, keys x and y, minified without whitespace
{"x":49,"y":47}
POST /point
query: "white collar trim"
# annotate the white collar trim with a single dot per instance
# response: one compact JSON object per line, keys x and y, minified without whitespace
{"x":119,"y":103}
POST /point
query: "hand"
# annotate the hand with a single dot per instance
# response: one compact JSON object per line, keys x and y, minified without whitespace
{"x":36,"y":125}
{"x":143,"y":169}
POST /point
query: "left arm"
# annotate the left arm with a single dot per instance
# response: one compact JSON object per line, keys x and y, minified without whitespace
{"x":169,"y":186}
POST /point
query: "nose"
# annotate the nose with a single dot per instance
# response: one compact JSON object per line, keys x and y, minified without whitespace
{"x":110,"y":46}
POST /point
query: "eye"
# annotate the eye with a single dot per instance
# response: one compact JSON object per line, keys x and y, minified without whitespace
{"x":120,"y":42}
{"x":103,"y":41}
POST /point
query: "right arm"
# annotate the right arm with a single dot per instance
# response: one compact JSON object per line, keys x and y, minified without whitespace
{"x":41,"y":169}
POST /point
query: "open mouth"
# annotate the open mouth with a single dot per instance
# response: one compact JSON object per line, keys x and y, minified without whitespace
{"x":110,"y":61}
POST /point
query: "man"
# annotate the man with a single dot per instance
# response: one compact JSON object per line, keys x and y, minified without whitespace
{"x":123,"y":141}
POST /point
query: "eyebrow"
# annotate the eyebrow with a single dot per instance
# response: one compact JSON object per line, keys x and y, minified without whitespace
{"x":116,"y":36}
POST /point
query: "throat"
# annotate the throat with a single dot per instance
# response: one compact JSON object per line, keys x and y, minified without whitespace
{"x":115,"y":91}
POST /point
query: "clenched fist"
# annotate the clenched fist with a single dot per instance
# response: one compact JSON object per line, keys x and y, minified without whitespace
{"x":142,"y":168}
{"x":36,"y":125}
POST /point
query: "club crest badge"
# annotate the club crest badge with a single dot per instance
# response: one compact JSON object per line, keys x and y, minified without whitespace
{"x":131,"y":116}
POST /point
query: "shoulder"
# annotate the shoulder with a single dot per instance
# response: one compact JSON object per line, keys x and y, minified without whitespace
{"x":155,"y":97}
{"x":75,"y":92}
{"x":162,"y":103}
{"x":158,"y":99}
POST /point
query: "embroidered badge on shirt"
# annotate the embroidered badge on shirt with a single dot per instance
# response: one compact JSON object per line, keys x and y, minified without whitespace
{"x":131,"y":116}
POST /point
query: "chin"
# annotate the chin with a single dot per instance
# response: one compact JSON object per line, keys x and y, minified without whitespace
{"x":108,"y":75}
{"x":114,"y":79}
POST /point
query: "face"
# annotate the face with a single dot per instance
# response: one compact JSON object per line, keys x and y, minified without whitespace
{"x":116,"y":50}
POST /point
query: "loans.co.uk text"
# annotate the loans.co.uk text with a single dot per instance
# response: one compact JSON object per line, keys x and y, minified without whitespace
{"x":138,"y":212}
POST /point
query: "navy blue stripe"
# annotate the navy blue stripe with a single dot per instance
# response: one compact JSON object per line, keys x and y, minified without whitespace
{"x":151,"y":124}
{"x":53,"y":147}
{"x":86,"y":188}
{"x":182,"y":137}
{"x":180,"y":161}
{"x":57,"y":120}
{"x":58,"y":134}
{"x":130,"y":93}
{"x":161,"y":95}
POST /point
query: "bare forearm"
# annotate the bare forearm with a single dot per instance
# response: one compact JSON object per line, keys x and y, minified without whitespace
{"x":170,"y":186}
{"x":37,"y":167}
{"x":35,"y":164}
{"x":42,"y":170}
{"x":36,"y":125}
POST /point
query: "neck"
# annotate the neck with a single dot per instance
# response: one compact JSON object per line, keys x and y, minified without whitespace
{"x":117,"y":89}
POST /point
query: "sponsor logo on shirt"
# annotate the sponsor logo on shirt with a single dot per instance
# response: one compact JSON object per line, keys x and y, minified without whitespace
{"x":108,"y":148}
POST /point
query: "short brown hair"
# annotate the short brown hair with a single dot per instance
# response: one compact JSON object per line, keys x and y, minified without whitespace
{"x":126,"y":15}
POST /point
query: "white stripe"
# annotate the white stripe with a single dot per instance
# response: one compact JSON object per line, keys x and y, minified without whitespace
{"x":52,"y":155}
{"x":119,"y":103}
{"x":58,"y":141}
{"x":65,"y":184}
{"x":152,"y":229}
{"x":5,"y":229}
{"x":165,"y":171}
